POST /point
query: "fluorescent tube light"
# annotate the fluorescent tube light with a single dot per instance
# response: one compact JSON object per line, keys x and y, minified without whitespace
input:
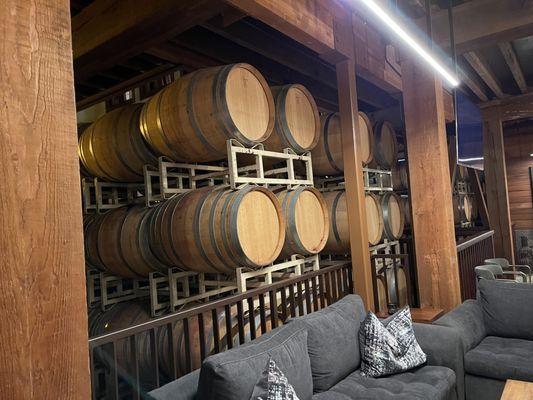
{"x":376,"y":9}
{"x":531,"y":155}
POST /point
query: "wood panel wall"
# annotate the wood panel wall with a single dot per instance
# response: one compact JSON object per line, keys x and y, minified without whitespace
{"x":518,"y":147}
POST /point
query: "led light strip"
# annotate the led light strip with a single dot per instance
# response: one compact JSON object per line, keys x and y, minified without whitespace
{"x":410,"y":41}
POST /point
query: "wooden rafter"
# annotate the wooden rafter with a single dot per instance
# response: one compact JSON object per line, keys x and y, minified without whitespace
{"x":484,"y":72}
{"x":110,"y":31}
{"x":474,"y":86}
{"x":512,"y":61}
{"x":482,"y":23}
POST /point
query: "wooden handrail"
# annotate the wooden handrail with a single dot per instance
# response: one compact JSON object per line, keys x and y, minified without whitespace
{"x":472,"y":241}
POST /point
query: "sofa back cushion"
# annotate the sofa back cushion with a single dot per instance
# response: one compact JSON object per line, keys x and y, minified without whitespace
{"x":232,"y":375}
{"x":332,"y":341}
{"x":507,"y":308}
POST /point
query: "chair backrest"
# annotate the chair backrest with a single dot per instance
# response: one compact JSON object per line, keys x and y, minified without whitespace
{"x":488,"y":271}
{"x":502,"y":262}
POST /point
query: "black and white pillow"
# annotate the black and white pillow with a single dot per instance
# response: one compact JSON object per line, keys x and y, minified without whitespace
{"x":390,"y":347}
{"x":273,"y":385}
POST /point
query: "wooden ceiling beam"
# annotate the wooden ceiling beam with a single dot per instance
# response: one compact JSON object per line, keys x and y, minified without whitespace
{"x":482,"y":23}
{"x":512,"y":108}
{"x":109,"y":31}
{"x":474,"y":86}
{"x":484,"y":72}
{"x":509,"y":55}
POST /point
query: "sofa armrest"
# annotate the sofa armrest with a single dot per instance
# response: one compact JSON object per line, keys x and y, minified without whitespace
{"x":183,"y":388}
{"x":467,"y":320}
{"x":444,"y":348}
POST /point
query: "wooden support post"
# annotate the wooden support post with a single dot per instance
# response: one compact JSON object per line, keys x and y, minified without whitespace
{"x":496,"y":184}
{"x":353,"y":175}
{"x":431,"y":192}
{"x":43,"y":328}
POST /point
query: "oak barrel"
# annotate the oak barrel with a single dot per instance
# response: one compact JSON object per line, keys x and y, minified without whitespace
{"x":406,"y":207}
{"x":297,"y":120}
{"x":91,"y":224}
{"x":385,"y":145}
{"x":374,"y":218}
{"x":123,"y":243}
{"x":400,"y":180}
{"x":215,"y":229}
{"x":192,"y":118}
{"x":306,"y":221}
{"x":327,"y":155}
{"x":462,"y":209}
{"x":393,"y":215}
{"x":339,"y":236}
{"x":113,"y":147}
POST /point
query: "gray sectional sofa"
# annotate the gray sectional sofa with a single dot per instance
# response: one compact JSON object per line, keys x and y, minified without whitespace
{"x":497,"y":335}
{"x":319,"y":354}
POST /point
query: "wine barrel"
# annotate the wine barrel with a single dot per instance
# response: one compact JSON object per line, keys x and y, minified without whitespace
{"x":91,"y":224}
{"x":400,"y":180}
{"x":339,"y":236}
{"x":327,"y":155}
{"x":123,"y":243}
{"x":382,"y":294}
{"x":474,"y":207}
{"x":307,"y":221}
{"x":192,"y":118}
{"x":113,"y":147}
{"x":374,"y":218}
{"x":393,"y":215}
{"x":385,"y":145}
{"x":462,"y":211}
{"x":215,"y":229}
{"x":406,"y":207}
{"x":297,"y":120}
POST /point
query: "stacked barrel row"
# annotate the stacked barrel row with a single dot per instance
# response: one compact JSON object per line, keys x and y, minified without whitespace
{"x":211,"y":229}
{"x":191,"y":120}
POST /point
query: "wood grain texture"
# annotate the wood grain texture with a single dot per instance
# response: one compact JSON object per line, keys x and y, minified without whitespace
{"x":496,"y":186}
{"x":431,"y":193}
{"x":485,"y":73}
{"x":43,"y":334}
{"x":353,"y":172}
{"x":508,"y":53}
{"x":518,"y":147}
{"x":517,"y":390}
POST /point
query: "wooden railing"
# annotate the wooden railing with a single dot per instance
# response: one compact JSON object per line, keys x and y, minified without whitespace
{"x":130,"y":362}
{"x":472,"y":252}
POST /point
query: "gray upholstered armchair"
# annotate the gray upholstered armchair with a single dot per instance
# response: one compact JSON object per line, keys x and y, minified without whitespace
{"x":508,"y":267}
{"x":493,"y":271}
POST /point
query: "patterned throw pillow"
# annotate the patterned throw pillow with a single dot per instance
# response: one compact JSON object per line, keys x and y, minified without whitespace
{"x":273,"y":385}
{"x":390,"y":347}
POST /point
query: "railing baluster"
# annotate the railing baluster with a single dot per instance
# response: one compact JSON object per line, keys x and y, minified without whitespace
{"x":155,"y":355}
{"x":134,"y":351}
{"x":273,"y":308}
{"x":328,"y":289}
{"x":115,"y":371}
{"x":308,"y":297}
{"x":292,"y":301}
{"x":283,"y":305}
{"x":229,"y":334}
{"x":187,"y":344}
{"x":323,"y":292}
{"x":262,"y":314}
{"x":316,"y":305}
{"x":251,"y":317}
{"x":300,"y":299}
{"x":216,"y":331}
{"x":240,"y":321}
{"x":201,"y":336}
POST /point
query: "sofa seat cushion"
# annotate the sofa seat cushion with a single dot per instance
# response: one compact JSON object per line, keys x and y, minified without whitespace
{"x":428,"y":382}
{"x":501,"y":358}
